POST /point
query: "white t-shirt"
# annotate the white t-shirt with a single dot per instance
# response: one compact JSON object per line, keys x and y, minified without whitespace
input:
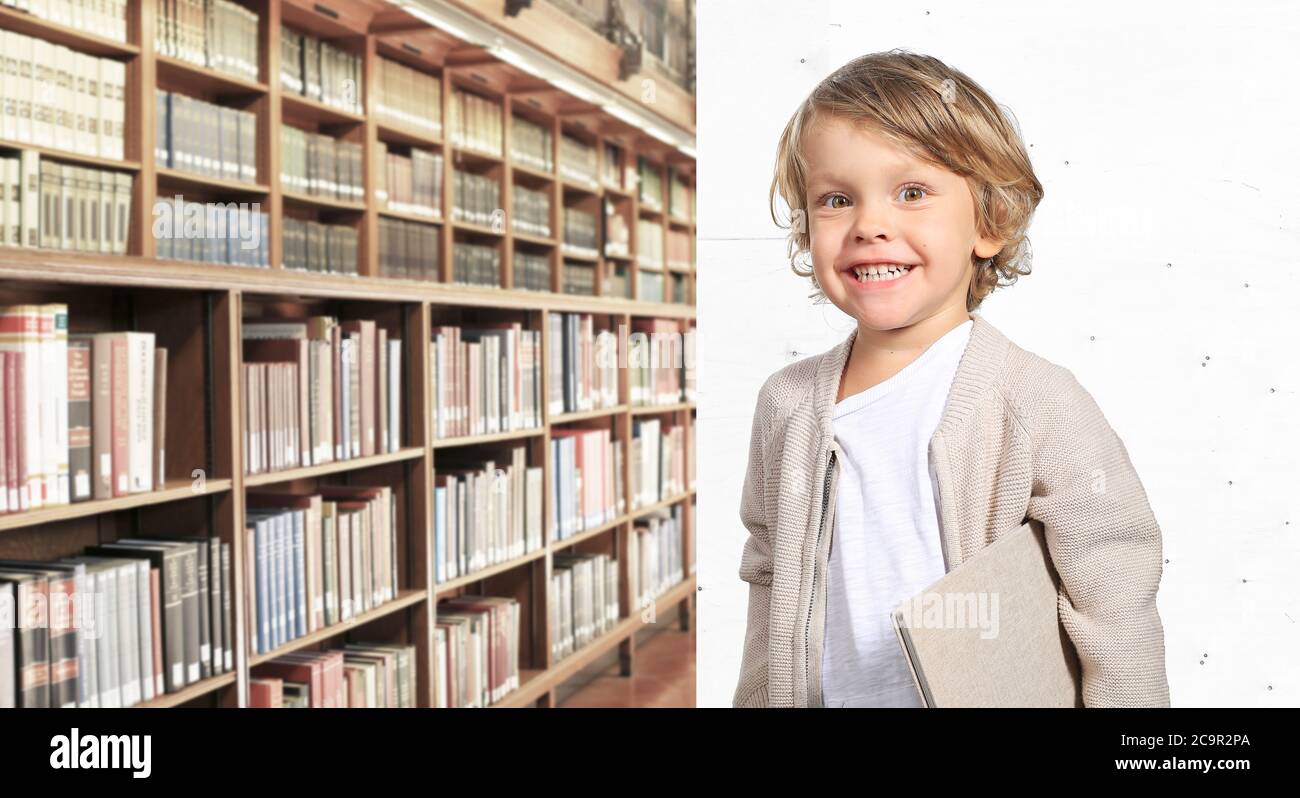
{"x":886,"y":544}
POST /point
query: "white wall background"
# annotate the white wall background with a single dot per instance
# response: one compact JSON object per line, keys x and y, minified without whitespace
{"x":1165,"y":277}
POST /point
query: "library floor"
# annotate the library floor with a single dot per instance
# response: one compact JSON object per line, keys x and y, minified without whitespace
{"x":664,"y":677}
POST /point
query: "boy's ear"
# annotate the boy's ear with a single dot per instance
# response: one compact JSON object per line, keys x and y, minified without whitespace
{"x":988,"y":247}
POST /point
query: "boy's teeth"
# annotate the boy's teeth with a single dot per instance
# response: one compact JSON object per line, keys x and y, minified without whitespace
{"x":878,"y":273}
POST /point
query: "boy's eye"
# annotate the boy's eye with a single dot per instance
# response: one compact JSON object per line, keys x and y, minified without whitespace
{"x":913,"y":190}
{"x":832,"y":198}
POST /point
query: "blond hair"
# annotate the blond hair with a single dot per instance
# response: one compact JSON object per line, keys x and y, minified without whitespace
{"x":940,"y":116}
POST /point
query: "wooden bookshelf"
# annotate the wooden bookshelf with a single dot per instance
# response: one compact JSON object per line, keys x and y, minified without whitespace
{"x":197,"y":310}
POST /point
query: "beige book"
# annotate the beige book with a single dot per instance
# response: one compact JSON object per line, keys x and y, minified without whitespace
{"x":988,"y":635}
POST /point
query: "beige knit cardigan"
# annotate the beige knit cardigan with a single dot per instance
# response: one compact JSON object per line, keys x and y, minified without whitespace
{"x":1019,"y":438}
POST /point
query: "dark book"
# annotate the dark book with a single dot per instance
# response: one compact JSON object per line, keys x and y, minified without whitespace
{"x":170,"y":563}
{"x":80,"y":348}
{"x":31,"y":592}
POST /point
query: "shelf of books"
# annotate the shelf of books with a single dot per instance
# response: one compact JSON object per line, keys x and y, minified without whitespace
{"x":341,"y":364}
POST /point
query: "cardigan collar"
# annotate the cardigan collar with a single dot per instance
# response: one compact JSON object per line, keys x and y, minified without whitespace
{"x":977,"y":372}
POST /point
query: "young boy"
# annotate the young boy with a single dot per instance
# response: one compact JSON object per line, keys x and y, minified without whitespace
{"x":880,"y":465}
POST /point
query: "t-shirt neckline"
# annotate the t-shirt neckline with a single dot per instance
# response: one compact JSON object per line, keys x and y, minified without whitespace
{"x":867,"y":396}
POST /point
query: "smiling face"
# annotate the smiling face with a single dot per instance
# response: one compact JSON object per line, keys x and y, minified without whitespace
{"x":868,"y":201}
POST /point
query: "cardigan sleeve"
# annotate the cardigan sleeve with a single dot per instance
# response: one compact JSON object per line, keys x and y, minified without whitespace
{"x":1105,"y":544}
{"x":756,"y":566}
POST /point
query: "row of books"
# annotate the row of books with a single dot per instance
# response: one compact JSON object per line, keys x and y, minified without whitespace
{"x":578,"y":278}
{"x":57,"y":97}
{"x":319,"y":71}
{"x":476,"y":650}
{"x":58,"y":206}
{"x":205,"y":138}
{"x":651,"y":285}
{"x":319,"y":390}
{"x":119,"y":624}
{"x":217,"y":34}
{"x":475,"y":198}
{"x":582,"y":365}
{"x":580,"y":233}
{"x":475,"y":123}
{"x":680,"y":196}
{"x":359,"y":675}
{"x":650,"y":183}
{"x":83,"y":415}
{"x":661,"y":362}
{"x":408,"y":97}
{"x":475,"y":264}
{"x":654,"y":555}
{"x":319,"y":247}
{"x":587,"y":477}
{"x":578,"y":161}
{"x":679,"y":249}
{"x":484,"y":512}
{"x":485,"y":379}
{"x":231,"y":233}
{"x":106,"y":18}
{"x":532,"y":271}
{"x":658,"y":461}
{"x":649,"y":244}
{"x":408,"y":250}
{"x":617,"y":234}
{"x":320,"y":165}
{"x":531,"y":144}
{"x":582,"y":601}
{"x":532,"y":211}
{"x":410,"y":184}
{"x":317,"y":559}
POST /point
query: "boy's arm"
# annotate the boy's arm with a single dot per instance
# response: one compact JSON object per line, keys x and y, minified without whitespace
{"x":755,"y":568}
{"x":1105,"y":544}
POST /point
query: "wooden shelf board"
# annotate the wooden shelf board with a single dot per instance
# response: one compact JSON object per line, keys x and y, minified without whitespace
{"x":477,"y":229}
{"x":659,"y":505}
{"x":451,"y":585}
{"x":585,"y":534}
{"x":397,"y":133}
{"x":531,"y":238}
{"x":190,"y":692}
{"x":410,"y":217}
{"x":405,"y":598}
{"x":299,"y":105}
{"x":324,"y":203}
{"x":180,"y":71}
{"x":645,"y":410}
{"x":491,"y":437}
{"x":73,"y":157}
{"x":350,"y":464}
{"x":532,"y":172}
{"x":72,"y":38}
{"x":168,"y":176}
{"x":582,"y":415}
{"x":175,"y":490}
{"x":46,"y":266}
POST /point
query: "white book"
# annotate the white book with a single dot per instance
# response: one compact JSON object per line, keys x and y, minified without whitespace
{"x":11,"y":203}
{"x":128,"y":633}
{"x":144,"y":631}
{"x":140,"y":360}
{"x":63,"y":100}
{"x":42,"y":66}
{"x":87,"y":104}
{"x":8,"y":85}
{"x":112,"y":79}
{"x":394,"y":426}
